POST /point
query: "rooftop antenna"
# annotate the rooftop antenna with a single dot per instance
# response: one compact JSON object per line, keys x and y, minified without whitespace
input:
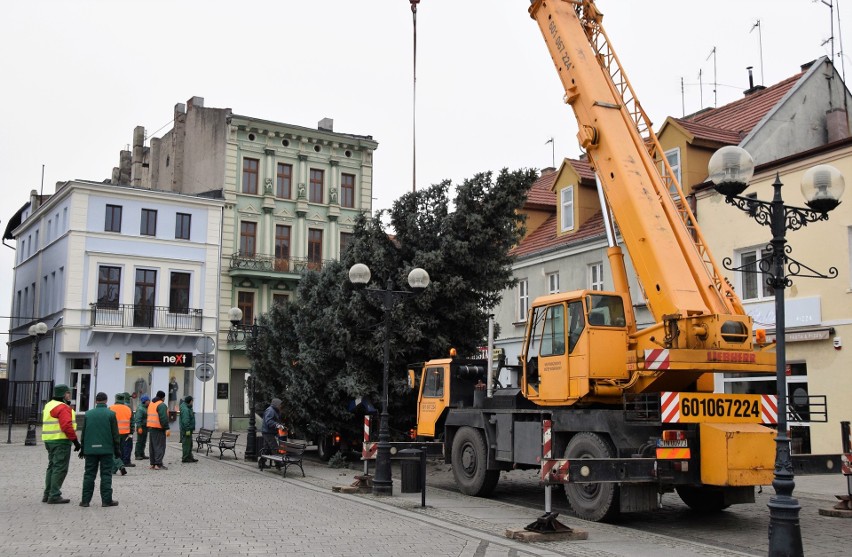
{"x":830,"y":4}
{"x":41,"y":190}
{"x":840,"y":40}
{"x":414,"y":102}
{"x":552,"y":152}
{"x":713,"y":54}
{"x":682,"y":101}
{"x":760,"y":44}
{"x":700,"y":91}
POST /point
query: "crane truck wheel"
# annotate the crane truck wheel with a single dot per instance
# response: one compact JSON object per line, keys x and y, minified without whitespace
{"x":469,"y":459}
{"x":597,"y":502}
{"x":326,"y":448}
{"x":702,"y":498}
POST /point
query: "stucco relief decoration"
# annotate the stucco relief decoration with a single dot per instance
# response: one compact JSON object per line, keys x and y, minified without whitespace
{"x":333,"y":195}
{"x":301,"y":191}
{"x":267,"y":186}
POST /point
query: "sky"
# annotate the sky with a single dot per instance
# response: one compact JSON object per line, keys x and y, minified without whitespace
{"x":79,"y":75}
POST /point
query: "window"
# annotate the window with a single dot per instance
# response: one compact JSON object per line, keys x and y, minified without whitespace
{"x":314,"y":249}
{"x":434,"y":386}
{"x":248,"y":236}
{"x":109,"y":287}
{"x":179,"y":293}
{"x":144,"y":298}
{"x":596,"y":281}
{"x":552,"y":333}
{"x":753,"y":280}
{"x":283,"y":187}
{"x":245,"y":301}
{"x":250,"y":167}
{"x":282,"y":248}
{"x":605,"y":311}
{"x":113,"y":218}
{"x":673,"y":157}
{"x":345,"y":240}
{"x":183,"y":223}
{"x":566,"y":202}
{"x":347,"y":190}
{"x":149,"y":223}
{"x":315,"y":192}
{"x":523,"y":299}
{"x":280,"y":299}
{"x":552,"y":283}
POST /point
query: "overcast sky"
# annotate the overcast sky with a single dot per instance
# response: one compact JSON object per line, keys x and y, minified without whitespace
{"x":78,"y":76}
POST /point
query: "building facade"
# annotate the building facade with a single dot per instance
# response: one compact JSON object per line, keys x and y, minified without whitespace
{"x":292,"y":196}
{"x":126,"y":280}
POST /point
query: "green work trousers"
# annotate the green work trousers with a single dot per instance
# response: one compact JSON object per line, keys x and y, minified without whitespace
{"x":186,"y":446}
{"x":141,"y":442}
{"x":58,"y":456}
{"x":104,"y":462}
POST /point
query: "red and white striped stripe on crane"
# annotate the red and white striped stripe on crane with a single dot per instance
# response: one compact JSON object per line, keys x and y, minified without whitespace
{"x":657,"y":359}
{"x":552,"y":470}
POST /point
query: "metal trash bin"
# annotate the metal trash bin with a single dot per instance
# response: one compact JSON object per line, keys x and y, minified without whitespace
{"x":409,"y":462}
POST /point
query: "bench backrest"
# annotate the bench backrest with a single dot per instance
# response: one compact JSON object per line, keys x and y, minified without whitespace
{"x":229,"y":438}
{"x":205,"y":434}
{"x":293,"y":449}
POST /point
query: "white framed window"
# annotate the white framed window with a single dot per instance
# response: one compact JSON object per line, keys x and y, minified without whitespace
{"x":566,"y":202}
{"x":673,"y":157}
{"x":596,"y":281}
{"x":552,"y":283}
{"x":523,"y":299}
{"x":752,"y":282}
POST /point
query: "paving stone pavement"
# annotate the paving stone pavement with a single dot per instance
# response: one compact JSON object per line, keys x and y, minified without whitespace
{"x":229,"y":507}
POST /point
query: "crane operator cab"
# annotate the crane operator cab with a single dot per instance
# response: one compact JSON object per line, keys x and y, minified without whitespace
{"x":572,"y":340}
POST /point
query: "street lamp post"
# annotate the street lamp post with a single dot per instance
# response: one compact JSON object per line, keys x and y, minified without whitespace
{"x":418,"y":279}
{"x":730,"y":169}
{"x":237,"y":333}
{"x":36,"y":331}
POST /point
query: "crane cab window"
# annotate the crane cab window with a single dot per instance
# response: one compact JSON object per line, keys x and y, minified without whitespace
{"x":434,"y":387}
{"x":576,"y":324}
{"x":552,"y":332}
{"x":605,"y":311}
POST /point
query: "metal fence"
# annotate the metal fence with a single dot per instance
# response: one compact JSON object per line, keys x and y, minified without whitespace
{"x":17,"y":400}
{"x":148,"y":317}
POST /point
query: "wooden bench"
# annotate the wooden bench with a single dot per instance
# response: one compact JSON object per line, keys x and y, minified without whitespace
{"x":204,"y":437}
{"x":228,"y":442}
{"x":289,"y":454}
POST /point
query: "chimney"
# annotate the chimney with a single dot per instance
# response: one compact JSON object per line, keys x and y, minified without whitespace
{"x":196,"y":102}
{"x":137,"y":156}
{"x":326,"y":125}
{"x":752,"y":88}
{"x":836,"y":124}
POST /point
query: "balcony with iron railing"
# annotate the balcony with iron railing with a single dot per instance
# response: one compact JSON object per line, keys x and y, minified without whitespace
{"x":145,"y":317}
{"x":251,"y":264}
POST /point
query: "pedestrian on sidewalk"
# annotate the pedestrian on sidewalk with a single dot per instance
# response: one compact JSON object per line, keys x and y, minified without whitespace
{"x":158,"y":430}
{"x":271,"y":423}
{"x":101,"y":447}
{"x":187,"y":427}
{"x":140,"y":419}
{"x":59,"y":423}
{"x":173,"y":394}
{"x":124,"y":415}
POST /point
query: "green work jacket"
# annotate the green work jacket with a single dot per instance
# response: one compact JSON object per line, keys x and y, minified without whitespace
{"x":100,"y":432}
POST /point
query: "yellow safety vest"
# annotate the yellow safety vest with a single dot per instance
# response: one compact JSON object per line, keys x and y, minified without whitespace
{"x":50,"y":430}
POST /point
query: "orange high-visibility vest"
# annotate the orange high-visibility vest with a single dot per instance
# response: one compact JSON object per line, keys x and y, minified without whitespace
{"x":123,"y":414}
{"x":153,"y":416}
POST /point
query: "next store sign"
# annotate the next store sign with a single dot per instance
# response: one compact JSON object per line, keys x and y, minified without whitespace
{"x":169,"y":359}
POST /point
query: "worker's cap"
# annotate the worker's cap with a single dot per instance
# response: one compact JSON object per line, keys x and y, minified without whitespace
{"x":101,"y":397}
{"x":161,"y":394}
{"x":146,"y":398}
{"x":276,"y":403}
{"x":188,"y":399}
{"x":60,"y":390}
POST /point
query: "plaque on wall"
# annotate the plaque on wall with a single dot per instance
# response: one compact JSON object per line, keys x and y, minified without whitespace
{"x":221,"y":390}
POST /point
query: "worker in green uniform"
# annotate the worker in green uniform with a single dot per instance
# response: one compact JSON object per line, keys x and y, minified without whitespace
{"x":101,"y":446}
{"x":140,"y":422}
{"x":187,"y":426}
{"x":58,"y":424}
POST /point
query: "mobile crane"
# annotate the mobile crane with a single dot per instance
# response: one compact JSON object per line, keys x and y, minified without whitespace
{"x":616,"y":413}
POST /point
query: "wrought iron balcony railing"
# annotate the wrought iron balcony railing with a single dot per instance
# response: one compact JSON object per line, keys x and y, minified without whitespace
{"x":271,"y":264}
{"x":144,"y":316}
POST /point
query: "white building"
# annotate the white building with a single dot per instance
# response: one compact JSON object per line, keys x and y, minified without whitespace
{"x":126,"y":280}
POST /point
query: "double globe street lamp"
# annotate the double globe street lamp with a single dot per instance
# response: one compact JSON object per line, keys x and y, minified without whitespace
{"x":418,"y":280}
{"x":36,"y":331}
{"x":730,"y":170}
{"x":240,"y":332}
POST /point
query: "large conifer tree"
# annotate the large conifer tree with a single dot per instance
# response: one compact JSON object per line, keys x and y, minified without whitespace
{"x":325,"y":347}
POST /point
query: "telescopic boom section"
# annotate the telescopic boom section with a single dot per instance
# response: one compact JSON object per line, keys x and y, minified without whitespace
{"x":679,"y":276}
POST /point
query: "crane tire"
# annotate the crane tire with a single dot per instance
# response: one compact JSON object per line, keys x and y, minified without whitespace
{"x":470,"y":459}
{"x":597,"y":502}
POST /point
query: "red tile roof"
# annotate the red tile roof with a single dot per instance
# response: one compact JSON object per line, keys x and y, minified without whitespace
{"x":541,"y":195}
{"x":583,"y":169}
{"x":544,"y":237}
{"x":732,"y":122}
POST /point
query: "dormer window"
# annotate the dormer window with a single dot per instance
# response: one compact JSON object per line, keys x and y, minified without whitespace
{"x":566,"y":203}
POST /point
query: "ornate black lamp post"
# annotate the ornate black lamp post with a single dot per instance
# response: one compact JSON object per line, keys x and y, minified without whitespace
{"x":240,"y":332}
{"x":418,"y":279}
{"x":730,"y":169}
{"x":36,"y":331}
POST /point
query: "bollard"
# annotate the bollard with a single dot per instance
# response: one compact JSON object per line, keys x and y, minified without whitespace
{"x":423,"y":476}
